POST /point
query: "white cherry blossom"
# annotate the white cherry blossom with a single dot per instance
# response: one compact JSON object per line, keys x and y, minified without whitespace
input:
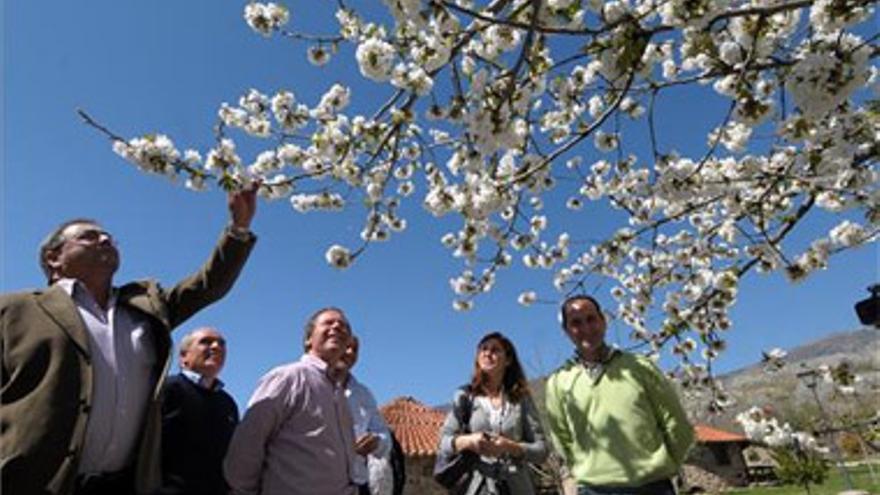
{"x":519,"y":127}
{"x":338,"y":257}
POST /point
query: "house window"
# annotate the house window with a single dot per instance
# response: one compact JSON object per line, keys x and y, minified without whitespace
{"x":719,"y":451}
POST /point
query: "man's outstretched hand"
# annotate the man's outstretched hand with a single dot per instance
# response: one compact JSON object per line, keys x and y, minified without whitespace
{"x":243,"y":205}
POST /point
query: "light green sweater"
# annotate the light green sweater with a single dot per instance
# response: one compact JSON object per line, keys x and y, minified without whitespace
{"x":626,"y":428}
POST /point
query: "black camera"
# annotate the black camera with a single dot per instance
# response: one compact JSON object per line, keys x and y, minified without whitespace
{"x":869,"y":309}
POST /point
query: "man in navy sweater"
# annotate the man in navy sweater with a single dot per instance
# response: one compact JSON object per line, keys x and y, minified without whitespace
{"x":198,"y":419}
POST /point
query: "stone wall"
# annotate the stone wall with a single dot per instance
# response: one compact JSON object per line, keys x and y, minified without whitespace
{"x":419,"y":477}
{"x":715,"y":468}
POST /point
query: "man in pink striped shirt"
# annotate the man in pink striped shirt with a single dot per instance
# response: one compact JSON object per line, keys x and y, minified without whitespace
{"x":296,"y":437}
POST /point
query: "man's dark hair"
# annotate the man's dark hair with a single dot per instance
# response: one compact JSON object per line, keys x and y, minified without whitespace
{"x":310,"y":324}
{"x":563,"y":309}
{"x":53,"y":241}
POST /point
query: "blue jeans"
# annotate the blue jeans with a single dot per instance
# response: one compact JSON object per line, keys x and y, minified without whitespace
{"x":662,"y":487}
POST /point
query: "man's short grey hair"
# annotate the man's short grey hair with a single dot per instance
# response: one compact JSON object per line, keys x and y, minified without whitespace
{"x":187,"y":341}
{"x":54,"y":240}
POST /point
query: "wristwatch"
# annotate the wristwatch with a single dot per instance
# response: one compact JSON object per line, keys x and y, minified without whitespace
{"x":239,"y":233}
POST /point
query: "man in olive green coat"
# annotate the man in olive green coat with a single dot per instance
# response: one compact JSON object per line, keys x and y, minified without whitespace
{"x":83,"y":361}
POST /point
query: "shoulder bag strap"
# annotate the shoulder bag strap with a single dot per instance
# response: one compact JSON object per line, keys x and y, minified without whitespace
{"x":462,"y":410}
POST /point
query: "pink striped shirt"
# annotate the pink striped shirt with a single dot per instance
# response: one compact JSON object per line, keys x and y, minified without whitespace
{"x":296,"y":437}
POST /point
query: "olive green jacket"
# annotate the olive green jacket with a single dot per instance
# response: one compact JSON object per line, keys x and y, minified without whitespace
{"x":46,"y":388}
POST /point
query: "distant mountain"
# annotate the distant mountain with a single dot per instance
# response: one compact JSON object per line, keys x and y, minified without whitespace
{"x":862,"y":345}
{"x":783,"y":392}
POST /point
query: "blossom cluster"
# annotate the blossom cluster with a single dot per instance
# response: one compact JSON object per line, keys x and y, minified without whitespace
{"x":840,"y":376}
{"x":153,"y":154}
{"x":773,"y":360}
{"x":265,"y":18}
{"x":761,"y":427}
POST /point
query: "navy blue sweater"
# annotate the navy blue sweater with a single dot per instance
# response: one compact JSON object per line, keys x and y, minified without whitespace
{"x":197,"y":425}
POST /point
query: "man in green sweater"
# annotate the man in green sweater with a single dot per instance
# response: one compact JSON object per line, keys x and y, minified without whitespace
{"x":613,"y":416}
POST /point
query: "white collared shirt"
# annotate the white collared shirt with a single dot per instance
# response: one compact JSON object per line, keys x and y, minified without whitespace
{"x":365,"y":418}
{"x":199,"y":379}
{"x":123,"y":358}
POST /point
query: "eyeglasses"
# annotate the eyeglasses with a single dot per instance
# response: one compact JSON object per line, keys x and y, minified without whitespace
{"x":91,"y":236}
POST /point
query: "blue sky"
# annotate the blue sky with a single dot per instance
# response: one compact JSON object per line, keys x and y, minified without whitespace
{"x":165,"y":66}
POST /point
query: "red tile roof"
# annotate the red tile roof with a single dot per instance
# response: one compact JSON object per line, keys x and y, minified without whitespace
{"x":416,"y":426}
{"x":707,"y":434}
